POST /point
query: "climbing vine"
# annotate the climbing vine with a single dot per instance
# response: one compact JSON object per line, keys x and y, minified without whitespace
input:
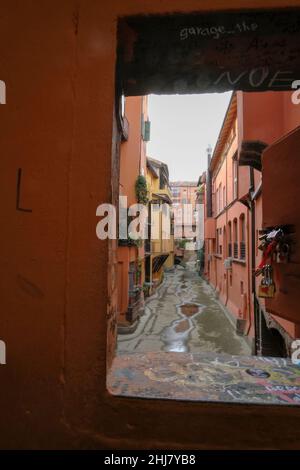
{"x":141,"y":190}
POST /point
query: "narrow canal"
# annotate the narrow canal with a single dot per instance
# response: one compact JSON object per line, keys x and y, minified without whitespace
{"x":183,"y":316}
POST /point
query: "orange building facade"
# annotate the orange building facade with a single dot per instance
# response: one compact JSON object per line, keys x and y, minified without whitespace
{"x":131,"y":255}
{"x":234,"y":218}
{"x":141,"y":262}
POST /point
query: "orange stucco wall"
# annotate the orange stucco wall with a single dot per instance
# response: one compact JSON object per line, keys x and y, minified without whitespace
{"x":57,"y":304}
{"x":265,"y":116}
{"x":276,"y":110}
{"x":290,"y":327}
{"x":233,"y":285}
{"x":281,"y":165}
{"x":285,"y":118}
{"x":130,"y":156}
{"x":132,"y":164}
{"x":126,"y":255}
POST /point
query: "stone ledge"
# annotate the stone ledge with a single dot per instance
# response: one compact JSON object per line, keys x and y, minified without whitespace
{"x":207,"y":377}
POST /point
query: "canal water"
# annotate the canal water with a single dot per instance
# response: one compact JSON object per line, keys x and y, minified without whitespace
{"x":184,"y":316}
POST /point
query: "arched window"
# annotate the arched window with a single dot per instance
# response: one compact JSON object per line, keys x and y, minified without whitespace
{"x":229,"y":240}
{"x":235,"y":240}
{"x":242,"y":237}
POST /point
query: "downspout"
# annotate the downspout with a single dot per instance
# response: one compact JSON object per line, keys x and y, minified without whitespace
{"x":252,"y":262}
{"x":226,"y":247}
{"x":209,"y":185}
{"x":209,"y":203}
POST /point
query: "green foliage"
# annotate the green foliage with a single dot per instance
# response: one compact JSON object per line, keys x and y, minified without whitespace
{"x":136,"y":241}
{"x":182,"y":243}
{"x":141,"y":190}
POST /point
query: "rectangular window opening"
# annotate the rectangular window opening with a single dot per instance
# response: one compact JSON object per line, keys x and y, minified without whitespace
{"x":189,"y":317}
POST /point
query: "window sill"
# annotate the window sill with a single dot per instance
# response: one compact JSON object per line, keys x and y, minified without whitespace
{"x":239,"y":261}
{"x":205,"y":377}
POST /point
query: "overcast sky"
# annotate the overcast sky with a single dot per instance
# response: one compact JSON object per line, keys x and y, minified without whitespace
{"x":182,"y":126}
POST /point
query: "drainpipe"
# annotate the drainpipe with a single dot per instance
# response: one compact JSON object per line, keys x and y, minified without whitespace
{"x":251,"y":262}
{"x":209,"y":184}
{"x":226,"y":247}
{"x":209,"y":201}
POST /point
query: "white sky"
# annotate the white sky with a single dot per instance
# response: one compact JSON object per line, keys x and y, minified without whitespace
{"x":182,"y":126}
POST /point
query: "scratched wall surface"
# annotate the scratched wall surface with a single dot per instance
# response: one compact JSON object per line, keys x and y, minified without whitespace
{"x":206,"y":377}
{"x":58,"y":58}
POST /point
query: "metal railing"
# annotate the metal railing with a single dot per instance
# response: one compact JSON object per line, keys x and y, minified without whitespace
{"x":235,"y":250}
{"x":242,"y":250}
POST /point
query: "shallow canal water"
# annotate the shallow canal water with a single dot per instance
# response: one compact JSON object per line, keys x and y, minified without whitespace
{"x":184,"y":316}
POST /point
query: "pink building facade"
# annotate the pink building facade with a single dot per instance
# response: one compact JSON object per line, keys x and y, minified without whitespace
{"x":234,"y":217}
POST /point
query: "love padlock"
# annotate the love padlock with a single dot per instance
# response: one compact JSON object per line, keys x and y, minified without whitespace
{"x":283,"y":253}
{"x":267,"y":286}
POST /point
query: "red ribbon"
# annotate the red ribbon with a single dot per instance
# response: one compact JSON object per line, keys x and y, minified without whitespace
{"x":267,"y":254}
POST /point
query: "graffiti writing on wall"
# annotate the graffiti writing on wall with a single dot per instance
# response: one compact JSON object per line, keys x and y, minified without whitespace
{"x":216,"y":32}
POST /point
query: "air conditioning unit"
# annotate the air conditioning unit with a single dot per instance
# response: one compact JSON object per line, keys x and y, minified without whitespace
{"x":228,"y":263}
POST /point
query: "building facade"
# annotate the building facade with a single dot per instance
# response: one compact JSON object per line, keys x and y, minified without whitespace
{"x":131,"y":253}
{"x":143,"y":180}
{"x":235,"y":221}
{"x":160,"y":243}
{"x":184,"y":194}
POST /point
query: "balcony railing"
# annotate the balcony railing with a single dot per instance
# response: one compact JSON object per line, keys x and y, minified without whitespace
{"x":235,"y":250}
{"x":242,"y":250}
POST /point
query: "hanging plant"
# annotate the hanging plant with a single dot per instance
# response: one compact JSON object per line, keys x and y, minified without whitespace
{"x":141,"y":190}
{"x":135,"y":239}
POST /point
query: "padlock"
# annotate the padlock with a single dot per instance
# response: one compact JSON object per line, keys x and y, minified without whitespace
{"x":263,"y":246}
{"x":267,"y":287}
{"x":283,"y":253}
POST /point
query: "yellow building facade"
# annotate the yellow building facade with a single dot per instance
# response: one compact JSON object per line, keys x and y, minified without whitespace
{"x":160,"y":244}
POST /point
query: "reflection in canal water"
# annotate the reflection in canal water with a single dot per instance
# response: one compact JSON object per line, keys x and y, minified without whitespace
{"x":184,"y":316}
